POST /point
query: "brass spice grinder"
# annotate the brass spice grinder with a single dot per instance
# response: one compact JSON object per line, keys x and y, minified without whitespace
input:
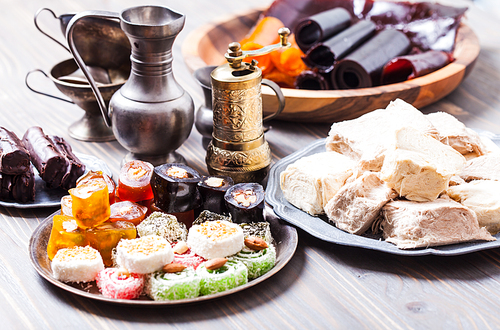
{"x":238,"y":148}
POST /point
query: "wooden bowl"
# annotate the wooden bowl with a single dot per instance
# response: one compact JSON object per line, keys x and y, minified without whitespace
{"x":207,"y":45}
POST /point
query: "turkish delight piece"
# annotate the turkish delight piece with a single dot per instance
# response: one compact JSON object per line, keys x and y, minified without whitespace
{"x":14,"y":157}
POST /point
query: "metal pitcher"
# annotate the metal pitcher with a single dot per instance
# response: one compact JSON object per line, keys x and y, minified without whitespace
{"x":151,"y":115}
{"x":238,"y":148}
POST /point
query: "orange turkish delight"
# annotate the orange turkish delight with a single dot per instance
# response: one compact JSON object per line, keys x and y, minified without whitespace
{"x":106,"y":236}
{"x":65,"y":234}
{"x":92,"y":175}
{"x":90,"y":203}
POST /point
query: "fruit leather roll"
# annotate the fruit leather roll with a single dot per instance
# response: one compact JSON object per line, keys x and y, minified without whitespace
{"x":412,"y":66}
{"x":363,"y":67}
{"x":49,"y":162}
{"x":75,"y":168}
{"x":321,"y":26}
{"x":175,"y":187}
{"x":323,"y":55}
{"x":14,"y":157}
{"x":20,"y":188}
{"x":311,"y":80}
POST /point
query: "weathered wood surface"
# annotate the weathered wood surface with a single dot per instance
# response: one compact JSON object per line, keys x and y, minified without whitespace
{"x":324,"y":285}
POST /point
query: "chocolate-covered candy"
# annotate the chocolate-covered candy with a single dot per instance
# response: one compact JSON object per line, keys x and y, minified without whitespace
{"x":49,"y":162}
{"x":14,"y":157}
{"x":19,"y":188}
{"x":245,"y":202}
{"x":75,"y":168}
{"x":175,"y":187}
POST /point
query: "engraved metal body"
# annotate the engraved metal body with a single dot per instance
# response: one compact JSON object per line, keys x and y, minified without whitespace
{"x":151,"y":115}
{"x":238,"y":148}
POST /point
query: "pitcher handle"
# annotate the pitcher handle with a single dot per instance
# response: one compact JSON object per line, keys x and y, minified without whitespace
{"x":45,"y":33}
{"x":79,"y":60}
{"x":281,"y":98}
{"x":42,"y":93}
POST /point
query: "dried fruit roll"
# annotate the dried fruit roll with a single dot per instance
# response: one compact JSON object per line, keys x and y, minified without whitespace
{"x":245,"y":202}
{"x":231,"y":275}
{"x":413,"y":66}
{"x":173,"y":286}
{"x":119,"y":284}
{"x":323,"y":55}
{"x":14,"y":157}
{"x":363,"y":67}
{"x":175,"y":187}
{"x":212,"y":190}
{"x":321,"y":26}
{"x":258,"y":262}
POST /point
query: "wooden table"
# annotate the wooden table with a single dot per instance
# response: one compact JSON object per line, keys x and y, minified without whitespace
{"x":323,"y":286}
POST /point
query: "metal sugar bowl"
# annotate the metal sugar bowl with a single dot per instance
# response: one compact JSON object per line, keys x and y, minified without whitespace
{"x":238,"y":148}
{"x":151,"y":114}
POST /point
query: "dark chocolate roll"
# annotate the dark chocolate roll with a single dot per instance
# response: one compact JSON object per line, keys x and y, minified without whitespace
{"x":14,"y":157}
{"x":49,"y":162}
{"x":363,"y":67}
{"x":323,"y":55}
{"x":20,"y":188}
{"x":212,"y":190}
{"x":75,"y":167}
{"x":245,"y":202}
{"x":311,"y":80}
{"x":321,"y":26}
{"x":175,"y":188}
{"x":413,"y":66}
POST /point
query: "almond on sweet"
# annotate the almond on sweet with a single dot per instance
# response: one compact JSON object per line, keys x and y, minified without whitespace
{"x":173,"y":268}
{"x":256,"y":243}
{"x":215,"y":263}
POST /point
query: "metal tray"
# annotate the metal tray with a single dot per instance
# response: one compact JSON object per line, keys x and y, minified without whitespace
{"x":45,"y":197}
{"x":319,"y":228}
{"x":285,"y":238}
